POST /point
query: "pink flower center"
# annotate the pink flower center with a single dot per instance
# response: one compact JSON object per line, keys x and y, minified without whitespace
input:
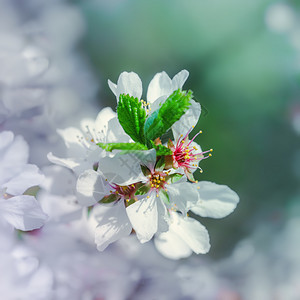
{"x":187,"y":156}
{"x":124,"y":191}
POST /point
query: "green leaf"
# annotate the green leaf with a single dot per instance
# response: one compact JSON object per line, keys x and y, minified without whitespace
{"x":132,"y":117}
{"x":122,"y":146}
{"x":161,"y":120}
{"x":144,"y":189}
{"x":161,"y":150}
{"x":172,"y":178}
{"x":164,"y":196}
{"x":145,"y":170}
{"x":109,"y":198}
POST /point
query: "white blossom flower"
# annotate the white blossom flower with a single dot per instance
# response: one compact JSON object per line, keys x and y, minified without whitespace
{"x":186,"y":153}
{"x":83,"y":153}
{"x":16,"y":176}
{"x":123,"y":209}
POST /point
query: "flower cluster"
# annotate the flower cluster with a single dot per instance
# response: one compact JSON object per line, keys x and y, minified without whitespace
{"x":135,"y":179}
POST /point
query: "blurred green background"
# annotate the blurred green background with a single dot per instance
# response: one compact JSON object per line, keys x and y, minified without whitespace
{"x":244,"y":62}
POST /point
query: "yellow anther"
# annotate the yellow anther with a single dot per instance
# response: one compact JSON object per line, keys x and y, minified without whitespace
{"x":148,"y":197}
{"x":209,"y":154}
{"x":157,"y":195}
{"x":211,"y":150}
{"x":200,"y":131}
{"x":193,"y":126}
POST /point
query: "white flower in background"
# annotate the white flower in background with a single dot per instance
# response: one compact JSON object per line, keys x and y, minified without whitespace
{"x":16,"y":176}
{"x":25,"y":276}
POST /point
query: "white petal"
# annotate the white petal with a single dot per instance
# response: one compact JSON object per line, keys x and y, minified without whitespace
{"x":163,"y":216}
{"x":182,"y":194}
{"x":65,"y":162}
{"x":171,"y":245}
{"x":92,"y":186}
{"x":122,"y":169}
{"x":71,"y":138}
{"x":179,"y":79}
{"x":160,"y":85}
{"x":144,"y":217}
{"x":146,"y":158}
{"x":192,"y":232}
{"x":113,"y":87}
{"x":187,"y":121}
{"x":115,"y":132}
{"x":129,"y":83}
{"x":215,"y":201}
{"x":23,"y":212}
{"x":104,"y":116}
{"x":113,"y":224}
{"x":29,"y":176}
